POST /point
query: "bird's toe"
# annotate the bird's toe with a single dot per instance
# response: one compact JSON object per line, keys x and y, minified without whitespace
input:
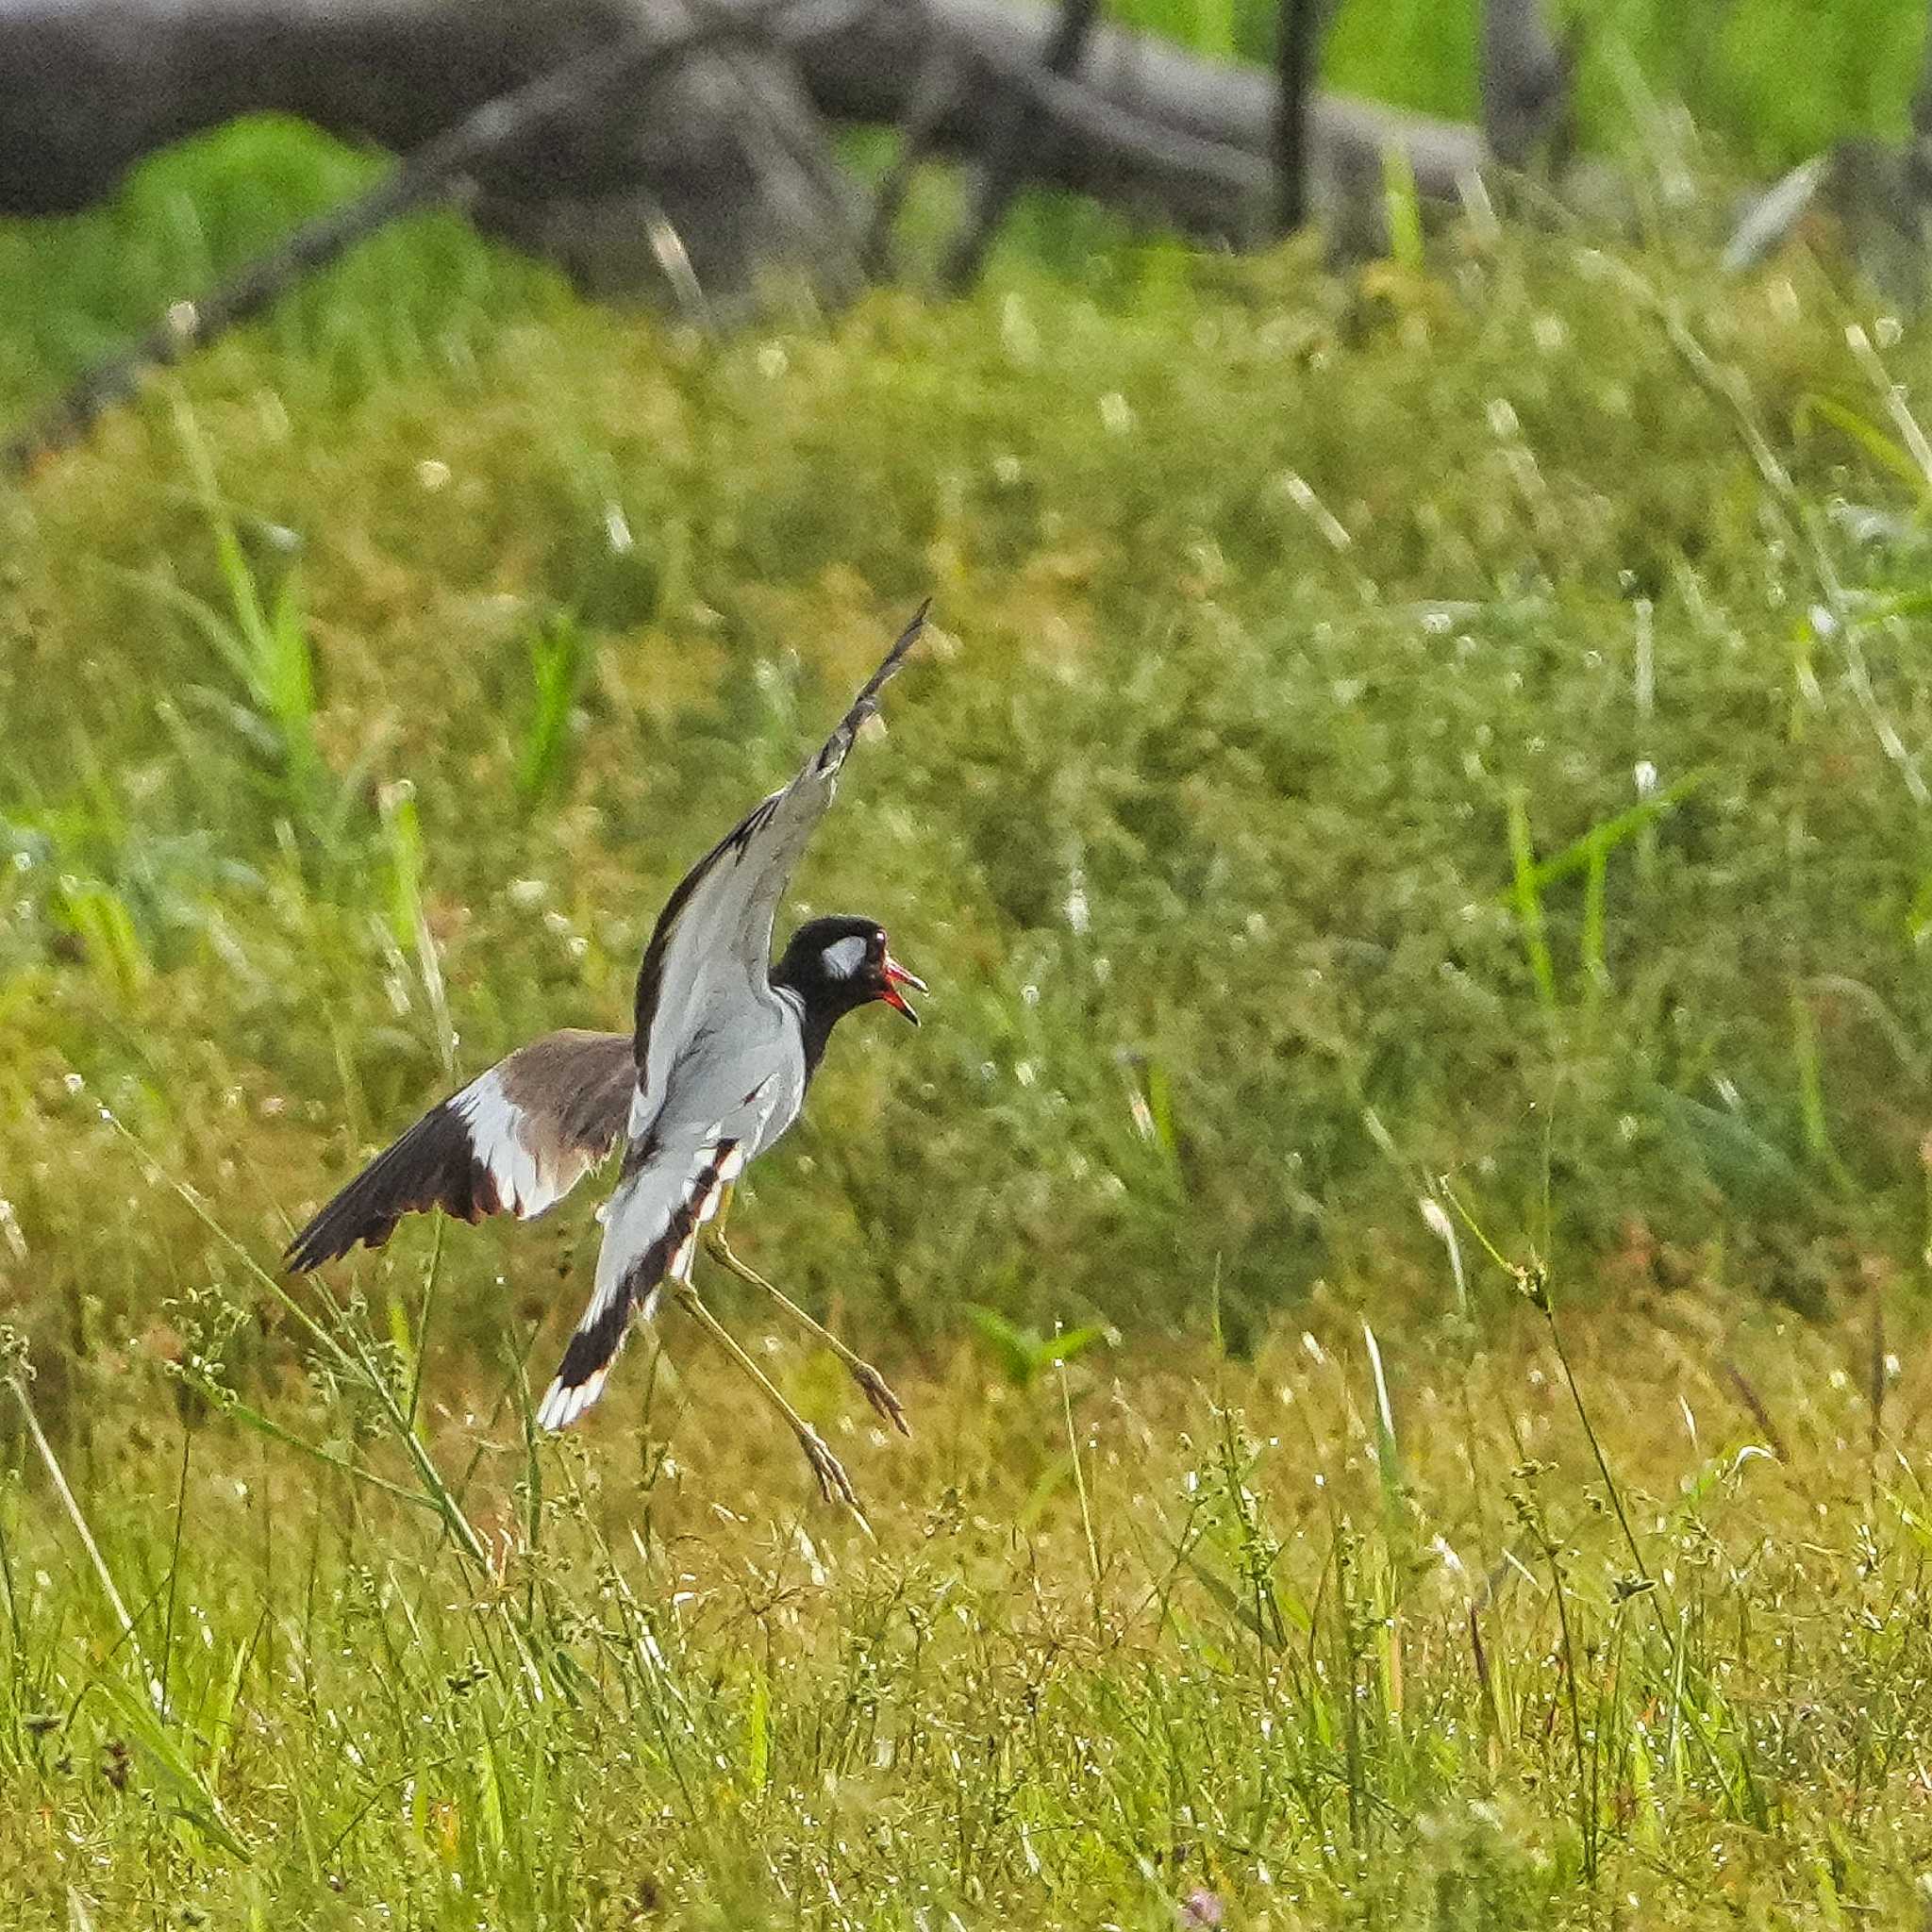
{"x":877,"y":1391}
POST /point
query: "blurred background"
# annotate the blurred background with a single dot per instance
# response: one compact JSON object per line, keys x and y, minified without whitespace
{"x":1432,"y":692}
{"x":1414,"y":812}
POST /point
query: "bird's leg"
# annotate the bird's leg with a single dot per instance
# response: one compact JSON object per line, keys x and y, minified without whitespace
{"x":833,"y":1481}
{"x":873,"y":1385}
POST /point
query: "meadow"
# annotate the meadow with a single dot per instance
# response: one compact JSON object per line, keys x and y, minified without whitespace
{"x":1404,"y":1231}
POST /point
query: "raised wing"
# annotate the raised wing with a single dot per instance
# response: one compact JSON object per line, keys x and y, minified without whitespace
{"x":650,"y":1232}
{"x":517,"y":1137}
{"x":713,"y":939}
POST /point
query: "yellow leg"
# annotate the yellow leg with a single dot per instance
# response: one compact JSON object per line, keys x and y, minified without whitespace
{"x":833,"y":1481}
{"x":872,"y":1384}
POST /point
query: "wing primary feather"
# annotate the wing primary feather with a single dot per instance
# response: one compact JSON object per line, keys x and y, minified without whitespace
{"x":432,"y":1165}
{"x":866,"y":703}
{"x":736,"y":843}
{"x":518,"y":1137}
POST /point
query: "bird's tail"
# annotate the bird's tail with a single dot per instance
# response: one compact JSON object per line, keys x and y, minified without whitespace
{"x":650,"y":1234}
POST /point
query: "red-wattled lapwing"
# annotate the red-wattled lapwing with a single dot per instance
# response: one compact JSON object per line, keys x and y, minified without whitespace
{"x":725,"y":1047}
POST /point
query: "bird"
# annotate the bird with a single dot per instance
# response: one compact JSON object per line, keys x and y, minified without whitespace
{"x":722,"y":1047}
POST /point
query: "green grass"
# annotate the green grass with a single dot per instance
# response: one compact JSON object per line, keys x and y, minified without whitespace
{"x":1414,"y":806}
{"x":1275,"y":821}
{"x":1377,"y":1632}
{"x":416,"y":298}
{"x":421,"y":296}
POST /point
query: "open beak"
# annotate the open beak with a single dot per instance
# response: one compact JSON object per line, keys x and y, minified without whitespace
{"x":896,"y":977}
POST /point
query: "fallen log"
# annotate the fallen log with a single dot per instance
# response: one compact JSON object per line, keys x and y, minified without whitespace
{"x":691,"y":134}
{"x":94,"y":85}
{"x":429,"y":175}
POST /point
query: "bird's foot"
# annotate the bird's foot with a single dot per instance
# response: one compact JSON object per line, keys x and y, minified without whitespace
{"x":877,"y":1391}
{"x":873,"y":1385}
{"x":834,"y":1483}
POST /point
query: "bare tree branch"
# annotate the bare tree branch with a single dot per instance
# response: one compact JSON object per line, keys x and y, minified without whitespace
{"x":1143,"y":124}
{"x":793,"y":141}
{"x":592,"y":105}
{"x":93,"y":85}
{"x":1297,"y":58}
{"x":1525,"y":81}
{"x":429,"y":175}
{"x":940,"y":78}
{"x":1919,"y":162}
{"x":1009,"y":140}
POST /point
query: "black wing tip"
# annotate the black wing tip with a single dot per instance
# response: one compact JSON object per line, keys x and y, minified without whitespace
{"x":307,"y":1252}
{"x":901,"y":644}
{"x":910,"y":635}
{"x":433,"y":1165}
{"x":866,"y":703}
{"x":326,"y":1238}
{"x":331,"y":1235}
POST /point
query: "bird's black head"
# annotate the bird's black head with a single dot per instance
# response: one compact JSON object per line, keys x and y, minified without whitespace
{"x":837,"y":965}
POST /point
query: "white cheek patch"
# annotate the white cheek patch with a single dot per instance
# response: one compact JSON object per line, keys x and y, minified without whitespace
{"x":842,"y":956}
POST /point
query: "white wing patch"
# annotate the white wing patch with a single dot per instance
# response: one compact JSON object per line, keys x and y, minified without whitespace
{"x":499,"y":1137}
{"x":516,"y":1139}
